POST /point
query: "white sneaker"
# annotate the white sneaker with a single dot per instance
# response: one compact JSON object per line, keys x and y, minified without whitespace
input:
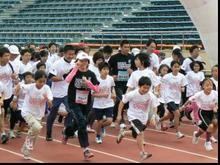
{"x":11,"y":134}
{"x":208,"y":146}
{"x":158,"y":123}
{"x":25,"y":152}
{"x":195,"y":140}
{"x":122,"y":126}
{"x":213,"y":139}
{"x":112,"y":125}
{"x":98,"y":140}
{"x":179,"y":135}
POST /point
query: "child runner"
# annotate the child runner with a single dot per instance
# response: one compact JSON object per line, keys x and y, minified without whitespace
{"x":103,"y":100}
{"x":174,"y":83}
{"x":4,"y":137}
{"x":141,"y":101}
{"x":17,"y":103}
{"x":194,"y":79}
{"x":36,"y":96}
{"x":82,"y":81}
{"x":162,"y":71}
{"x":207,"y":100}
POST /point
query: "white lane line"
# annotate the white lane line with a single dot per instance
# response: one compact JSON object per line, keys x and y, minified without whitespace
{"x":16,"y":153}
{"x":157,"y":145}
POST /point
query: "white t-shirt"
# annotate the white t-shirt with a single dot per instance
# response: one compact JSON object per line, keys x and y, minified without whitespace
{"x":139,"y":105}
{"x":215,"y":82}
{"x":95,"y":69}
{"x":5,"y":78}
{"x":21,"y":97}
{"x":136,"y":75}
{"x":105,"y":87}
{"x":60,"y":68}
{"x":53,"y":57}
{"x":34,"y":101}
{"x":154,"y":60}
{"x":173,"y":86}
{"x":16,"y":66}
{"x":193,"y":82}
{"x":25,"y":68}
{"x":205,"y":102}
{"x":186,"y":63}
{"x":162,"y":90}
{"x":167,"y":61}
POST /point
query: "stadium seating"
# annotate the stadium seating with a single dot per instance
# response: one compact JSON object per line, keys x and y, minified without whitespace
{"x":73,"y":20}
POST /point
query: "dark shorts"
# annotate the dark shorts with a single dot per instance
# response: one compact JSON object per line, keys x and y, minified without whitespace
{"x":172,"y":107}
{"x":206,"y":118}
{"x":137,"y":127}
{"x":100,"y":113}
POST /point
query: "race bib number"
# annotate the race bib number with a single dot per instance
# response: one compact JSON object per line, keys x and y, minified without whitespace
{"x":123,"y":76}
{"x":82,"y":97}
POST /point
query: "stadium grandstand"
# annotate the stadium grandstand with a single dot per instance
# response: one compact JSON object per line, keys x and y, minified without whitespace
{"x":95,"y":21}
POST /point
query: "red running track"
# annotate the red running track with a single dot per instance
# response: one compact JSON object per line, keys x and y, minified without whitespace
{"x":163,"y":145}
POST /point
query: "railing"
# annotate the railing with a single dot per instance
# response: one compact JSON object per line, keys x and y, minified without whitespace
{"x":77,"y":36}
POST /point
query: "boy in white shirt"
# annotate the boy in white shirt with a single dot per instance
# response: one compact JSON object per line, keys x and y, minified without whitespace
{"x":36,"y":96}
{"x":4,"y":137}
{"x":103,"y":100}
{"x":141,"y":102}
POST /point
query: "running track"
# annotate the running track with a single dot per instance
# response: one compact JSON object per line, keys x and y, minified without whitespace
{"x":163,"y":145}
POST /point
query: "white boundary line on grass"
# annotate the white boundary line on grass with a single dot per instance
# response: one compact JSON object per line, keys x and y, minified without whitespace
{"x":20,"y":155}
{"x":170,"y":148}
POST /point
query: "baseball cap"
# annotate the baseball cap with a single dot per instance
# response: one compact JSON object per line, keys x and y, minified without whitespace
{"x":82,"y":56}
{"x":6,"y":45}
{"x":14,"y":49}
{"x":135,"y":51}
{"x":176,"y":47}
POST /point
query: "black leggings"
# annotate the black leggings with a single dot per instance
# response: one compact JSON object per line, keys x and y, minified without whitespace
{"x":15,"y":117}
{"x":7,"y":105}
{"x":161,"y":110}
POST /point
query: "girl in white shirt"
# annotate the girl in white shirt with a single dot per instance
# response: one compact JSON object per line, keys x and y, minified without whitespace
{"x":162,"y":71}
{"x":194,"y":78}
{"x":36,"y":96}
{"x":174,"y":83}
{"x":141,"y":102}
{"x":207,"y":101}
{"x":103,"y":100}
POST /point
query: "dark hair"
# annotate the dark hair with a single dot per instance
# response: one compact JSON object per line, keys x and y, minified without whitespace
{"x":68,"y":47}
{"x":26,"y":74}
{"x":124,"y":42}
{"x":177,"y":52}
{"x":107,"y":49}
{"x":151,"y":40}
{"x":144,"y":58}
{"x":25,"y":51}
{"x":144,"y":81}
{"x":97,"y":56}
{"x":43,"y":53}
{"x":39,"y":64}
{"x":192,"y":64}
{"x":103,"y":65}
{"x":51,"y":44}
{"x":162,"y":66}
{"x":192,"y":48}
{"x":29,"y":44}
{"x":174,"y":62}
{"x":207,"y":79}
{"x":35,"y":55}
{"x":3,"y":50}
{"x":61,"y":50}
{"x":40,"y":74}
